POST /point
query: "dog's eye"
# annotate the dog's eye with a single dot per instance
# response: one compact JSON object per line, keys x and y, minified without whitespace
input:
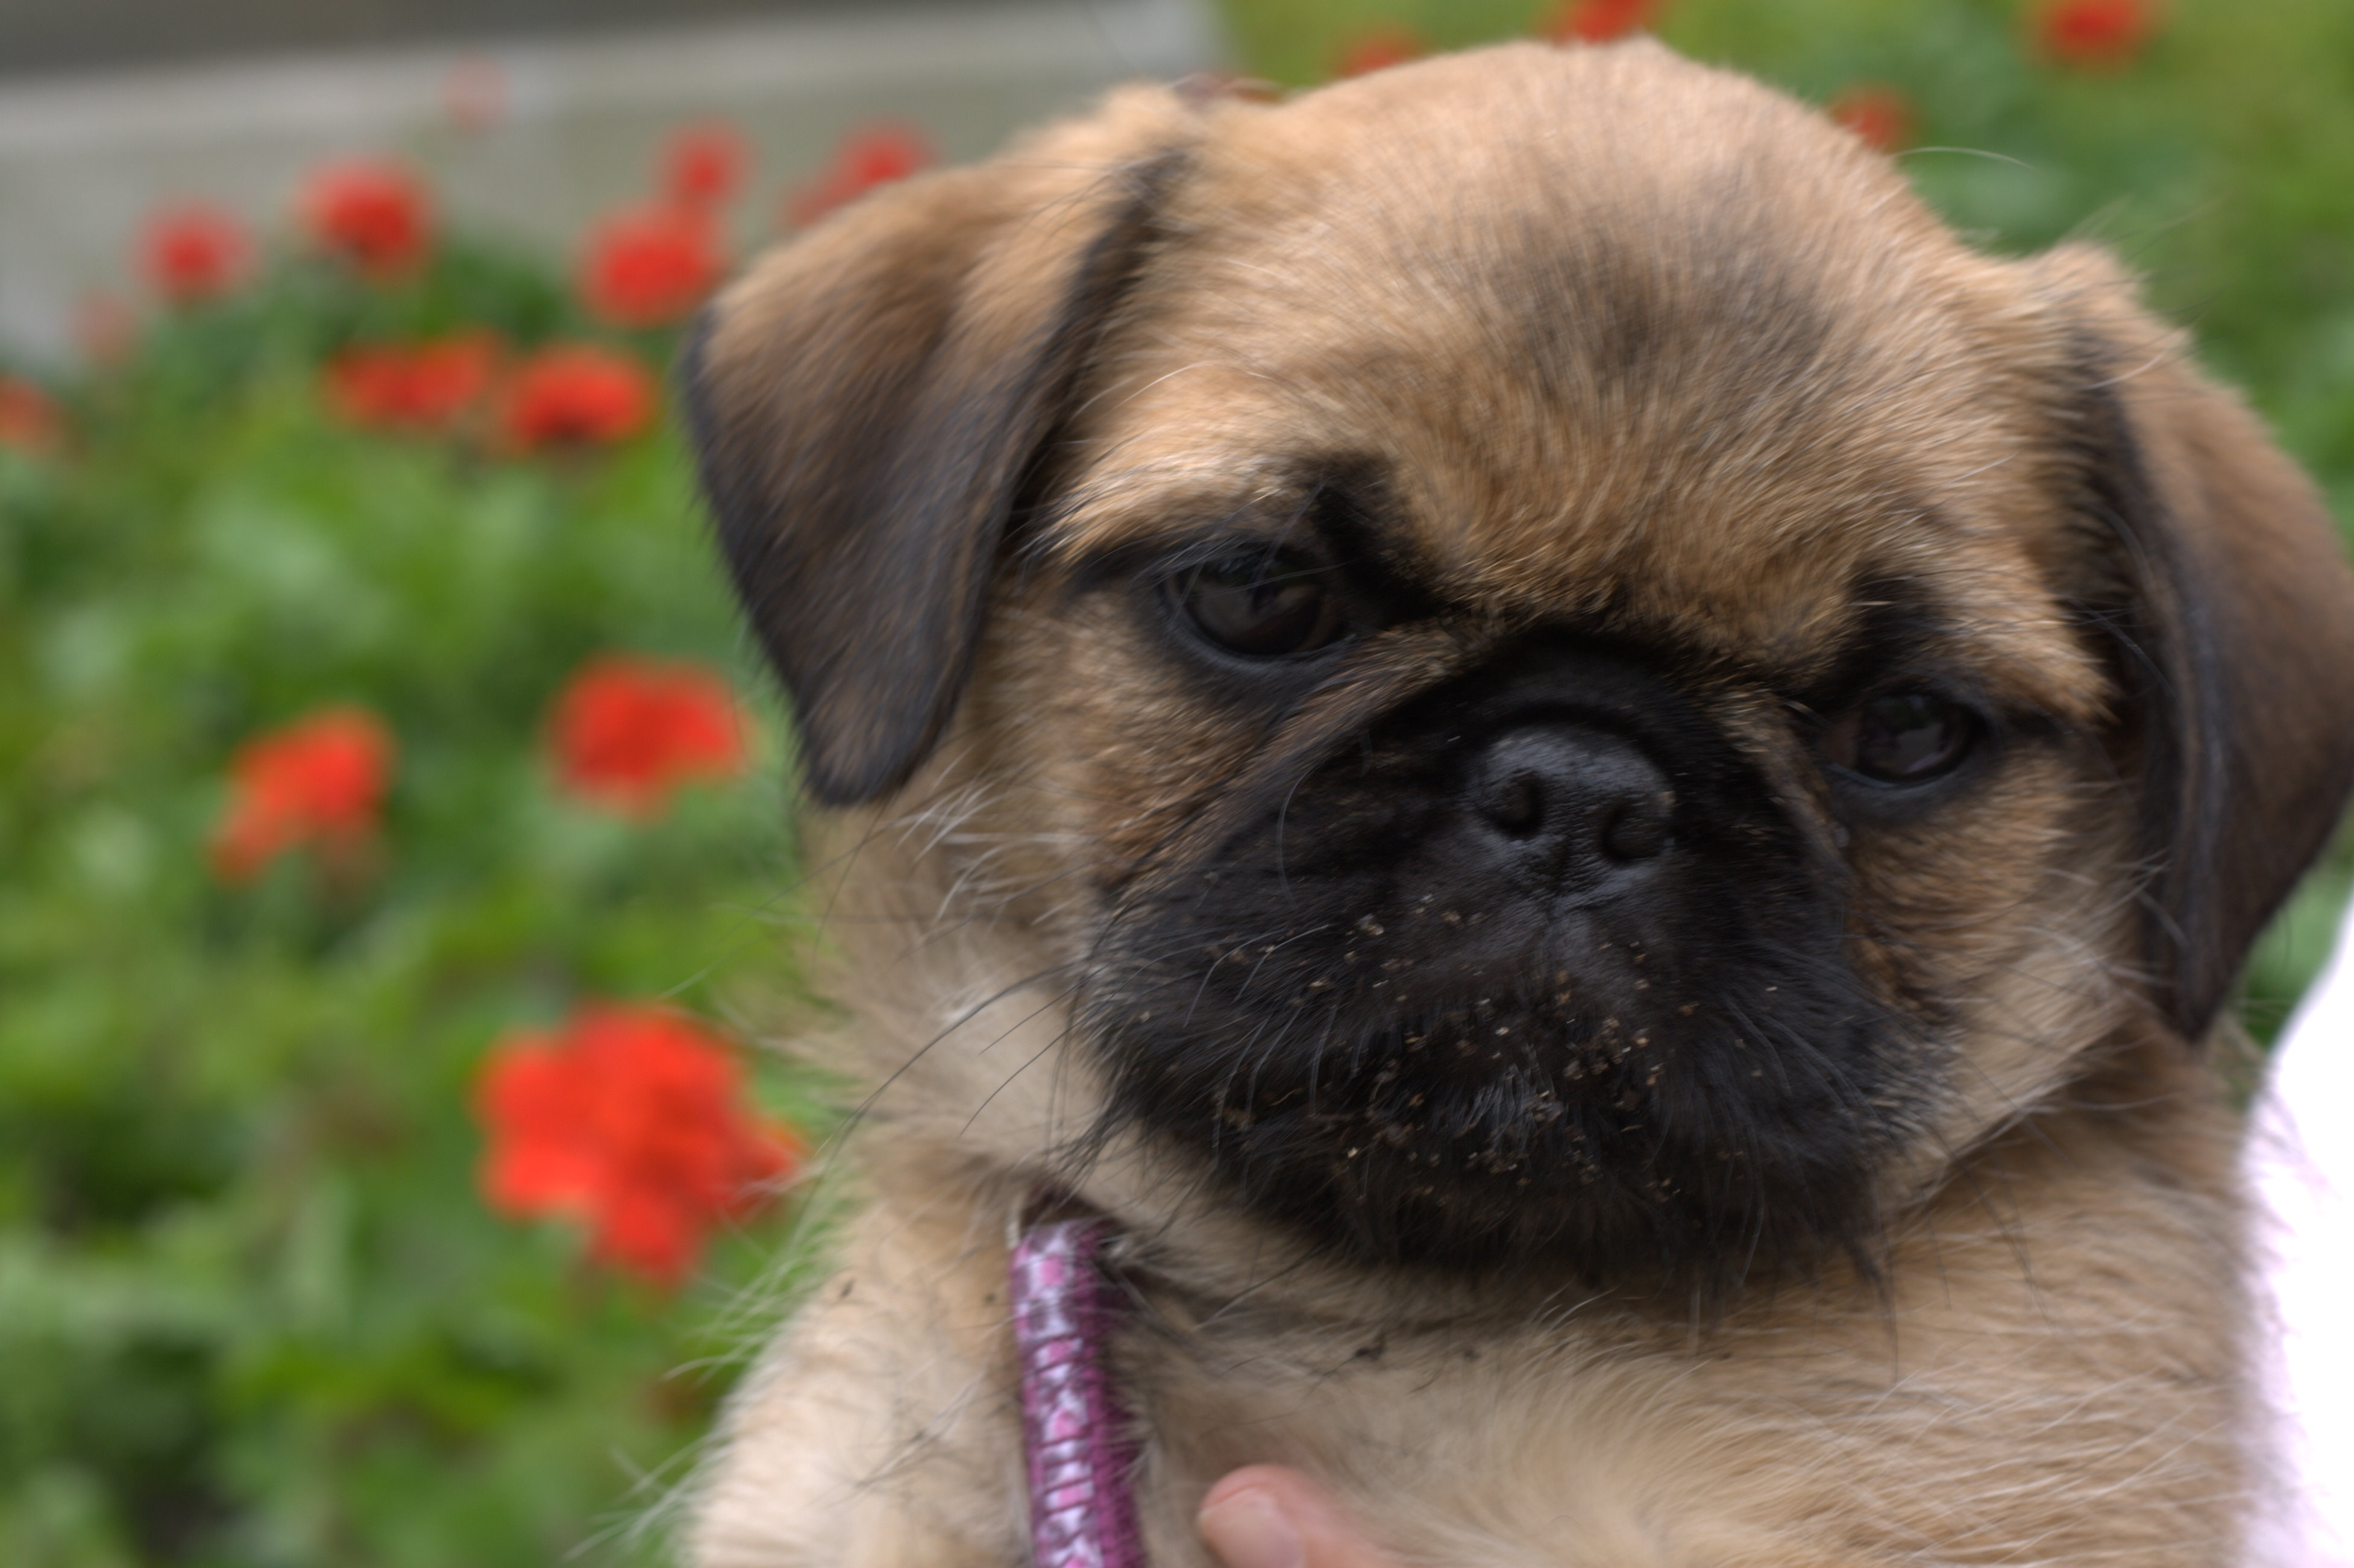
{"x":1261,"y":606}
{"x":1904,"y":737}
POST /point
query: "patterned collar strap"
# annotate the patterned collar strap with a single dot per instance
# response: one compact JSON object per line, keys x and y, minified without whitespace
{"x":1080,"y":1455}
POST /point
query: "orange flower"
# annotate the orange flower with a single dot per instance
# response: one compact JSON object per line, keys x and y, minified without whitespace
{"x":194,"y":251}
{"x":318,"y":780}
{"x":873,"y":156}
{"x":704,"y":165}
{"x":628,"y":731}
{"x":1599,"y":21}
{"x":414,"y":386}
{"x":652,"y":265}
{"x":576,"y":393}
{"x":1881,"y":115}
{"x":2095,"y":35}
{"x":372,"y":214}
{"x":30,"y":421}
{"x":631,"y":1120}
{"x":1378,"y":50}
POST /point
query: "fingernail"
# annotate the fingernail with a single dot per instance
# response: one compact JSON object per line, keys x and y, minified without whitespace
{"x":1250,"y":1530}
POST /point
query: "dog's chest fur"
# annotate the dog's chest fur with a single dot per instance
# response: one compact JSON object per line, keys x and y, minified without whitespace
{"x":1509,"y":1428}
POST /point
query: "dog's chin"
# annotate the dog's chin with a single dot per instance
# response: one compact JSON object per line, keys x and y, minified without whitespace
{"x":1632,"y":1146}
{"x":1691,"y":1100}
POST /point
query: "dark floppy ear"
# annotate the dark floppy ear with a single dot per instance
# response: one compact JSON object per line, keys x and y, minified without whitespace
{"x":2236,"y":624}
{"x":868,"y":404}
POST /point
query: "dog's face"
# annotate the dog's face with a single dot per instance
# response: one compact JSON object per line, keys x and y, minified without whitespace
{"x":1554,"y":670}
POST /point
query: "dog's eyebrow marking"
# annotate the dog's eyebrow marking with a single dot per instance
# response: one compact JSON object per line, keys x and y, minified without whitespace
{"x":1894,"y":622}
{"x":1340,"y":504}
{"x":1354,"y":507}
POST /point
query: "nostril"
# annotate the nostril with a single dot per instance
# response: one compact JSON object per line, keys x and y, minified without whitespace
{"x":1640,"y":829}
{"x":1514,"y":803}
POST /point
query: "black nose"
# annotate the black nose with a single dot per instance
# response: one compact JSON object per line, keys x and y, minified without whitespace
{"x":1573,"y":802}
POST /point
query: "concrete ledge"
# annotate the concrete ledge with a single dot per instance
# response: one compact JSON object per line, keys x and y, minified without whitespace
{"x":83,"y":159}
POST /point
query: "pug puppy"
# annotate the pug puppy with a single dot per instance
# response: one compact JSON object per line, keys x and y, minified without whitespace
{"x":1602,"y":789}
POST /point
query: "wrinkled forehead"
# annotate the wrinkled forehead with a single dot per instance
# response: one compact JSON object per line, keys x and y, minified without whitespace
{"x":1679,"y":395}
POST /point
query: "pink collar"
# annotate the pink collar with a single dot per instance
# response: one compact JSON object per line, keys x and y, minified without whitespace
{"x":1080,"y":1452}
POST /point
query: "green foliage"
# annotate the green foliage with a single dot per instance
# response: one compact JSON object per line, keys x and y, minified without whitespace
{"x":252,"y":1309}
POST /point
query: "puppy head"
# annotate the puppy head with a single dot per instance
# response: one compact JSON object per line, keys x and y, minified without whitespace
{"x":1557,"y":668}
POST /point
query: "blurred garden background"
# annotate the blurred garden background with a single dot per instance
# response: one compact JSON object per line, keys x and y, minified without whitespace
{"x":397,"y":882}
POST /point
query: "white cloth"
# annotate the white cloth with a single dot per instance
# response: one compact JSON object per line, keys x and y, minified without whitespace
{"x":2300,"y":1164}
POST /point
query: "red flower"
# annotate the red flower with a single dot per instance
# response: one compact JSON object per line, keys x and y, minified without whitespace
{"x":320,"y":780}
{"x":577,"y":392}
{"x":30,"y":421}
{"x":874,"y":157}
{"x":628,"y":731}
{"x":1599,"y":21}
{"x":193,"y":252}
{"x":1378,"y":50}
{"x":631,"y":1120}
{"x":1881,"y":115}
{"x":704,"y":165}
{"x":372,"y":214}
{"x":652,"y":265}
{"x":416,"y":386}
{"x":2095,"y":34}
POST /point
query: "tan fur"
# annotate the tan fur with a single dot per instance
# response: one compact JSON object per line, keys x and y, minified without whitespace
{"x":2049,"y":1367}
